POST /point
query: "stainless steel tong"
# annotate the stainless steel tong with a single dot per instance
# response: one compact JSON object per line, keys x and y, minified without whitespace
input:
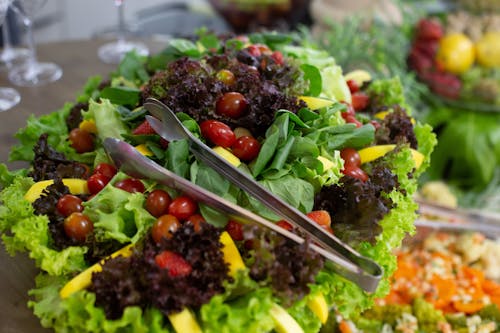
{"x":347,"y":262}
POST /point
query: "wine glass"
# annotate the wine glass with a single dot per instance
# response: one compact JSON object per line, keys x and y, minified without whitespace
{"x":8,"y":96}
{"x":11,"y":55}
{"x":113,"y":53}
{"x":32,"y":73}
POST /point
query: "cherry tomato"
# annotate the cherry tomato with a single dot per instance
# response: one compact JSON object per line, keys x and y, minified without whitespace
{"x":285,"y":225}
{"x":375,"y":124}
{"x":254,"y":50}
{"x":360,"y":101}
{"x":78,"y":226}
{"x":235,"y":230}
{"x":355,"y":172}
{"x":350,"y":157}
{"x":226,"y":76}
{"x":164,"y":227}
{"x":350,"y":110}
{"x":232,"y":105}
{"x":106,"y":169}
{"x":321,"y":217}
{"x":68,"y":204}
{"x":182,"y":207}
{"x":131,"y":185}
{"x":352,"y":120}
{"x":196,"y":220}
{"x":218,"y":133}
{"x":96,"y":183}
{"x":353,"y":86}
{"x":157,"y":203}
{"x":82,"y":141}
{"x":246,"y":148}
{"x":278,"y":57}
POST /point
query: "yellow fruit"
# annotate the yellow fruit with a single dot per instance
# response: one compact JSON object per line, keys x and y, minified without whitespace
{"x":372,"y":153}
{"x":456,"y":53}
{"x":359,"y":76}
{"x":284,"y":322}
{"x":488,"y":49}
{"x":184,"y":322}
{"x":75,"y":185}
{"x":144,"y":150}
{"x":227,"y":155}
{"x":231,"y":254}
{"x":315,"y":103}
{"x":318,"y":306}
{"x":88,"y":126}
{"x":84,"y":279}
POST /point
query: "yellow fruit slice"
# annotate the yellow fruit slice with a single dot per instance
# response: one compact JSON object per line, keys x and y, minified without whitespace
{"x":231,"y":254}
{"x":372,"y":153}
{"x":144,"y":150}
{"x":315,"y":103}
{"x":488,"y":49}
{"x":318,"y":306}
{"x":184,"y":322}
{"x":359,"y":76}
{"x":227,"y":155}
{"x":75,"y":185}
{"x":88,"y":126}
{"x":284,"y":322}
{"x":84,"y":279}
{"x":456,"y":53}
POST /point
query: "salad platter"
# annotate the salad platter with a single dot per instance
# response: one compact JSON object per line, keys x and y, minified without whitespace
{"x":115,"y":252}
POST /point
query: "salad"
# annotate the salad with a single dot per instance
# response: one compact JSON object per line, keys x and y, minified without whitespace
{"x":118,"y":254}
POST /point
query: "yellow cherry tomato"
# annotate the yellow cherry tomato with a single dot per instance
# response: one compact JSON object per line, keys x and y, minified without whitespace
{"x":456,"y":53}
{"x":488,"y":49}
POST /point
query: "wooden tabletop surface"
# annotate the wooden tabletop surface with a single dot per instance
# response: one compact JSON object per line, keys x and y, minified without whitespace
{"x":78,"y":60}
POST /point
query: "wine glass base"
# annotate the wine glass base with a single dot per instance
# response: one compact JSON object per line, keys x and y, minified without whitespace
{"x":35,"y":74}
{"x":113,"y":53}
{"x":8,"y":98}
{"x":13,"y":56}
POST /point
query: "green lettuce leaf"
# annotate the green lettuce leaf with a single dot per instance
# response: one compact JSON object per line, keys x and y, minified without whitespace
{"x":107,"y":119}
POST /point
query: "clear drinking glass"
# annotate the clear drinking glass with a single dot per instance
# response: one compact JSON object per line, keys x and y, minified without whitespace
{"x":32,"y":72}
{"x":11,"y":55}
{"x":8,"y":96}
{"x":113,"y":53}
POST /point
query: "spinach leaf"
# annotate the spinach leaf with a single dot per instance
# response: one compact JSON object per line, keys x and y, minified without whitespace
{"x":177,"y":158}
{"x":122,"y":95}
{"x":313,"y":76}
{"x":132,"y":68}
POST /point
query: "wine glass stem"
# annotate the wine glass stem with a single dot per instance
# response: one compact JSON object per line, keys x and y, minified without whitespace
{"x":7,"y":45}
{"x":121,"y":21}
{"x":30,"y":40}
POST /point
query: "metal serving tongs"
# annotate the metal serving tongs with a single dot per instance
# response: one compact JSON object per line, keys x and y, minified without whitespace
{"x":347,"y":262}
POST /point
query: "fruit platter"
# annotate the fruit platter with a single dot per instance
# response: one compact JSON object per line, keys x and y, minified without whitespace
{"x":116,"y":253}
{"x":458,"y":57}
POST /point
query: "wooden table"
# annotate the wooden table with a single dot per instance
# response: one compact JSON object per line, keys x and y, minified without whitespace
{"x":78,"y":60}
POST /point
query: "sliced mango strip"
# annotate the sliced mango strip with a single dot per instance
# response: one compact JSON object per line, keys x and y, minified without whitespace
{"x":88,"y":126}
{"x":184,"y":322}
{"x":75,"y":185}
{"x":372,"y":153}
{"x":284,"y":321}
{"x":359,"y":76}
{"x":144,"y":150}
{"x":319,"y":307}
{"x":231,"y":254}
{"x":315,"y":103}
{"x":84,"y":279}
{"x":227,"y":155}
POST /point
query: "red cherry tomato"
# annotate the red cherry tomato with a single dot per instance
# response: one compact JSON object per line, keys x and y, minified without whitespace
{"x":96,"y":183}
{"x":196,"y":220}
{"x":218,"y":133}
{"x":232,"y":105}
{"x":350,"y":110}
{"x":355,"y":172}
{"x":164,"y":227}
{"x":131,"y":185}
{"x":278,"y":58}
{"x":78,"y":226}
{"x":352,"y":120}
{"x":350,"y":157}
{"x":375,"y":124}
{"x":360,"y":101}
{"x":353,"y":86}
{"x":226,"y":76}
{"x":285,"y":225}
{"x":106,"y":169}
{"x":68,"y":204}
{"x":235,"y":230}
{"x":82,"y":141}
{"x":254,"y":50}
{"x":157,"y":203}
{"x":246,"y":148}
{"x":182,"y":207}
{"x":321,"y":217}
